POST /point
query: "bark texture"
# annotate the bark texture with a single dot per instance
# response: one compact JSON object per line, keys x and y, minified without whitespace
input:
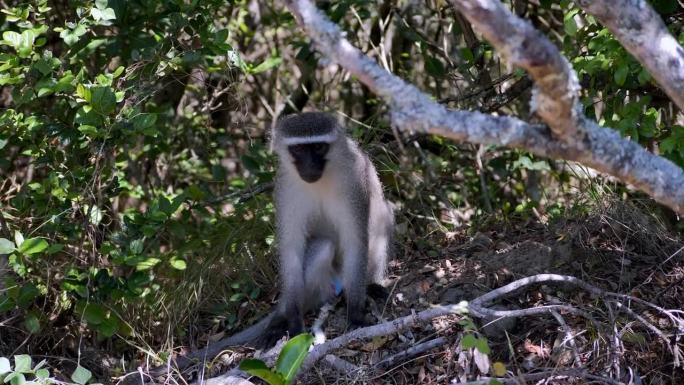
{"x":556,"y":86}
{"x":411,"y":110}
{"x":642,"y":32}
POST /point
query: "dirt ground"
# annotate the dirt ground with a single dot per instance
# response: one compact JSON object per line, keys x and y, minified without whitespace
{"x":620,"y":250}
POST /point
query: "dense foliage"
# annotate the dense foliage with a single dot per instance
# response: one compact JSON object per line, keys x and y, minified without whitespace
{"x":134,"y":163}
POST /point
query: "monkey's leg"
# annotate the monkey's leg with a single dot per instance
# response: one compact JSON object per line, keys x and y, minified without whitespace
{"x":354,"y":281}
{"x":319,"y":273}
{"x":288,"y":317}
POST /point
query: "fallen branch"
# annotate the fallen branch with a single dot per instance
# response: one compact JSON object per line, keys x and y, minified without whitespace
{"x":478,"y":307}
{"x":411,"y":352}
{"x":411,"y":110}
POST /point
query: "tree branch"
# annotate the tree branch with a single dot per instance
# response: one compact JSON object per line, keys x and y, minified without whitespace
{"x":556,"y":87}
{"x":410,"y":110}
{"x":642,"y":32}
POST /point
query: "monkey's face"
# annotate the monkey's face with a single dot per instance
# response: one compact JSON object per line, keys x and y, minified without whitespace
{"x":309,"y":159}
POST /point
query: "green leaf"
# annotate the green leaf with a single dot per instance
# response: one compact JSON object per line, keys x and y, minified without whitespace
{"x":143,"y":121}
{"x":468,"y":341}
{"x":6,"y":246}
{"x":267,"y":65}
{"x":27,"y":294}
{"x":81,"y":375}
{"x":33,"y":246}
{"x":32,"y":323}
{"x":42,"y":374}
{"x":94,"y":314}
{"x":147,"y":264}
{"x":103,"y":100}
{"x":258,"y":368}
{"x":11,"y":38}
{"x":16,"y":378}
{"x":22,"y":363}
{"x":136,"y":246}
{"x":434,"y":67}
{"x":643,"y":77}
{"x":5,"y":366}
{"x":569,"y":24}
{"x":88,"y":130}
{"x":178,"y":263}
{"x":482,"y":345}
{"x":621,"y":73}
{"x":292,"y":356}
{"x":101,"y":4}
{"x":108,"y":327}
{"x":18,"y":238}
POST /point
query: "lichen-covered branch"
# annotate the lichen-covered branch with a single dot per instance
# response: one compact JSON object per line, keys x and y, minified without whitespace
{"x":641,"y":31}
{"x":411,"y":110}
{"x":556,"y":86}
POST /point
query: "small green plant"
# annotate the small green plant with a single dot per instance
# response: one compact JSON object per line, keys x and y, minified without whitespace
{"x":24,"y":372}
{"x":287,"y":365}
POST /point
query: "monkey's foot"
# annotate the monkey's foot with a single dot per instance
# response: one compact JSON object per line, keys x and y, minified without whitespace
{"x":377,"y":292}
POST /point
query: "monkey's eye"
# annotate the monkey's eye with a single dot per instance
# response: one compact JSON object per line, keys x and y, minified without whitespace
{"x":297,"y":149}
{"x":320,"y":148}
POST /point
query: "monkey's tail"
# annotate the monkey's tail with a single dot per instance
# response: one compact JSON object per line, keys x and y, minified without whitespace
{"x":245,"y":337}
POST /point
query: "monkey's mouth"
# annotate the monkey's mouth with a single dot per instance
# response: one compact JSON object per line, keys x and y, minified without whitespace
{"x":311,"y":177}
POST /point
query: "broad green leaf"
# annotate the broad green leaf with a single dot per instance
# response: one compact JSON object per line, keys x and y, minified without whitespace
{"x":22,"y":363}
{"x":81,"y":375}
{"x":33,"y":246}
{"x":108,"y":327}
{"x":643,"y":76}
{"x":569,"y":24}
{"x":468,"y":341}
{"x":94,"y":314}
{"x":42,"y":374}
{"x":6,"y":246}
{"x":11,"y":38}
{"x":83,"y":92}
{"x":88,"y":130}
{"x":482,"y":345}
{"x":292,"y":356}
{"x":621,"y":73}
{"x":147,"y":264}
{"x":103,"y":100}
{"x":258,"y":368}
{"x":136,"y":246}
{"x":25,"y":48}
{"x":143,"y":121}
{"x":5,"y":366}
{"x":101,"y":4}
{"x":94,"y":212}
{"x":27,"y":294}
{"x":16,"y":378}
{"x":178,"y":263}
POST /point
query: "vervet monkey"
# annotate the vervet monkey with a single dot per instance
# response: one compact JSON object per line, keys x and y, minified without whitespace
{"x":333,"y":222}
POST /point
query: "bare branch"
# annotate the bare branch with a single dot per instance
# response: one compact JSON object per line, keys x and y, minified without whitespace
{"x":411,"y":110}
{"x":556,"y":86}
{"x":641,"y":31}
{"x":411,"y":352}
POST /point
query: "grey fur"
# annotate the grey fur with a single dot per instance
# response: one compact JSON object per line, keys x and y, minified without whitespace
{"x":344,"y":211}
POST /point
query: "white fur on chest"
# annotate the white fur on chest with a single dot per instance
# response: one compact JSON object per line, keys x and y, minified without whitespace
{"x":330,"y":211}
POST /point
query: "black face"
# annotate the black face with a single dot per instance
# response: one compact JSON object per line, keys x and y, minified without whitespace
{"x":309,"y":159}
